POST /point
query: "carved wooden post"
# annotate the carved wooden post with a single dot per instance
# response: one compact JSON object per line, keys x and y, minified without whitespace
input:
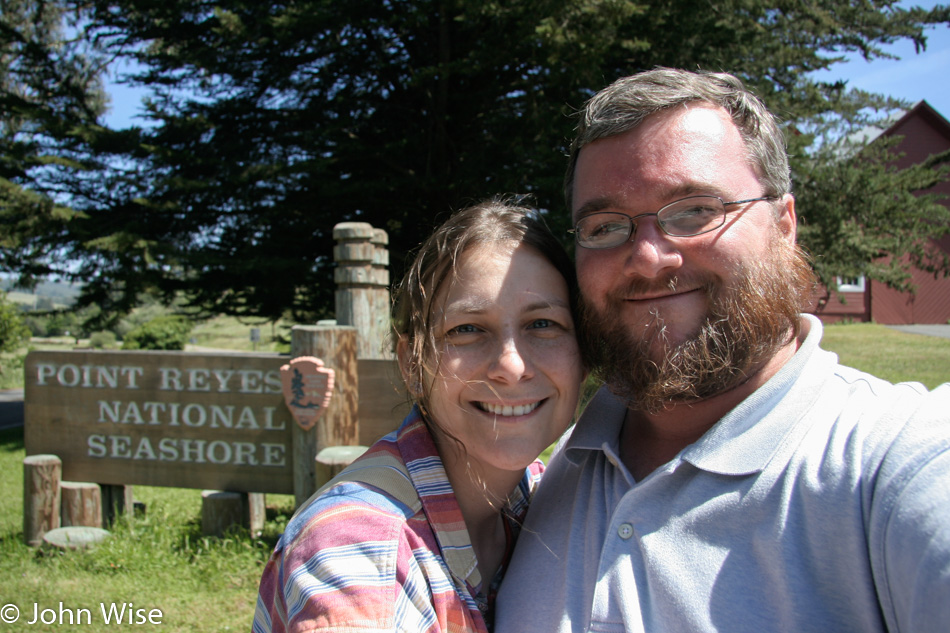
{"x":41,"y":496}
{"x":362,"y":282}
{"x":336,"y":346}
{"x":381,"y":303}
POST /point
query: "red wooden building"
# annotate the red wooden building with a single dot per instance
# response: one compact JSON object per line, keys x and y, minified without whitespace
{"x":925,"y":133}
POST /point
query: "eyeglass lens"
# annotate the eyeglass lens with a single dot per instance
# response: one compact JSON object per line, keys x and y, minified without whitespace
{"x":683,"y":218}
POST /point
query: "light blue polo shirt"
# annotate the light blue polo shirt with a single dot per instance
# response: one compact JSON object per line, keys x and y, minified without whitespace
{"x":820,"y":503}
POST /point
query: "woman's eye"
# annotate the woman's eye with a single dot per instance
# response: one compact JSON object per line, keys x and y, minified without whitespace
{"x":541,"y":323}
{"x":463,"y":329}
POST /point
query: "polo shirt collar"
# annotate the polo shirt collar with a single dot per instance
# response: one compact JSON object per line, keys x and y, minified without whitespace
{"x":598,"y":427}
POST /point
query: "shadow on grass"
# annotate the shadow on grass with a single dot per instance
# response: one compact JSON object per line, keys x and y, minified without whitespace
{"x":11,"y":440}
{"x":192,"y":540}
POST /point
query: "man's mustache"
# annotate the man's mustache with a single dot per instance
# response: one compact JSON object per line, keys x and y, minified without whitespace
{"x":636,"y":287}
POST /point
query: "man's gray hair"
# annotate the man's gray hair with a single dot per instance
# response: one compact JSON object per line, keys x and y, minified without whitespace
{"x":624,"y":104}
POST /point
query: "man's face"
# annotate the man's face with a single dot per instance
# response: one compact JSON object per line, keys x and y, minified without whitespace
{"x":661,"y":294}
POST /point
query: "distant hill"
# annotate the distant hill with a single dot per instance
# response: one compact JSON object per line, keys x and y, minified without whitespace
{"x":60,"y":294}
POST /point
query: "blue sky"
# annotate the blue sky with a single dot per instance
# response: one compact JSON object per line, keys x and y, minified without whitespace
{"x":913,"y":77}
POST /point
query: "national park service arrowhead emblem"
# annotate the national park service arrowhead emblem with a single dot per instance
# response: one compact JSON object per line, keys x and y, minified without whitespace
{"x":307,"y":386}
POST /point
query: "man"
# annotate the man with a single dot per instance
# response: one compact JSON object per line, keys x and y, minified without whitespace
{"x":731,"y":476}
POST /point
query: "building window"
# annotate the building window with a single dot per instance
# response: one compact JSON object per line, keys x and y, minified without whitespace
{"x":850,"y":284}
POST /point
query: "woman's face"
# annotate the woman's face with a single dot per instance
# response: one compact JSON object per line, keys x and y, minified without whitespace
{"x":509,"y":372}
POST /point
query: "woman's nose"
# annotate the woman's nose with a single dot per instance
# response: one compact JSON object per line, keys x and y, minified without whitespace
{"x":510,"y":363}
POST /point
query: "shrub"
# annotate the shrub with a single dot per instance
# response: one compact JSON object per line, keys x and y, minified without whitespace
{"x":169,"y":332}
{"x":63,"y":324}
{"x":102,"y":340}
{"x":13,"y":334}
{"x":11,"y":374}
{"x":37,"y":325}
{"x":139,"y":317}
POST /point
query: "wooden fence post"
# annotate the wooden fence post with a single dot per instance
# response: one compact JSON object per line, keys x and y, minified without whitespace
{"x":41,"y":496}
{"x":336,"y":346}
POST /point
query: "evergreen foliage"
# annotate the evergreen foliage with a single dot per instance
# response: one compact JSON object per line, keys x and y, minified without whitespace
{"x":269,"y":122}
{"x":860,"y":215}
{"x":50,"y":98}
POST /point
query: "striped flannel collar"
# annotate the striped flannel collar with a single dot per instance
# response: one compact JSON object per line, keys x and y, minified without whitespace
{"x":434,"y":492}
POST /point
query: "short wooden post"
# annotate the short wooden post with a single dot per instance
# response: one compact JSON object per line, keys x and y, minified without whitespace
{"x":221,"y":510}
{"x":336,"y":346}
{"x":333,"y":459}
{"x":256,"y":511}
{"x":81,"y":504}
{"x":41,"y":496}
{"x":116,"y":500}
{"x":362,"y":285}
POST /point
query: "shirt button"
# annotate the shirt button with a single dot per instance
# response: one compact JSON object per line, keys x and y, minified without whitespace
{"x":625,"y":531}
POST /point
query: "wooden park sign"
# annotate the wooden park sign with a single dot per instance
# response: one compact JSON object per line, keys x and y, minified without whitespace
{"x":213,"y":420}
{"x":223,"y":421}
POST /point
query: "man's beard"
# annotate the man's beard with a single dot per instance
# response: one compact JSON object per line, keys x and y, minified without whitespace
{"x":743,"y":328}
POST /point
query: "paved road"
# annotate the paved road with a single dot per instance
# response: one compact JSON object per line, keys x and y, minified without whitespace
{"x":11,"y":408}
{"x":942,"y":331}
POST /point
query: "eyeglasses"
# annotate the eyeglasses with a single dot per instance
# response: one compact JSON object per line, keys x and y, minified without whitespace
{"x":690,"y":216}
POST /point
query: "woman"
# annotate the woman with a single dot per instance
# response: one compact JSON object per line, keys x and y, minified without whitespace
{"x":415,"y":535}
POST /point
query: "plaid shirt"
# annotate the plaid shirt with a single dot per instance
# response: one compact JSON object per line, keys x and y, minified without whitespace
{"x":382,"y":547}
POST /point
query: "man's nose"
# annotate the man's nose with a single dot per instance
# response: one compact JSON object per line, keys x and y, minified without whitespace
{"x":649,"y":251}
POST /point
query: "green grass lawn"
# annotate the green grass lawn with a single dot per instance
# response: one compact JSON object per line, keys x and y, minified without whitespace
{"x":890,"y":354}
{"x":156,"y":561}
{"x":235,"y":334}
{"x":161,"y":560}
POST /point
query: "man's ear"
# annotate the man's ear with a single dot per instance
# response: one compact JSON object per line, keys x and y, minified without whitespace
{"x":787,"y":221}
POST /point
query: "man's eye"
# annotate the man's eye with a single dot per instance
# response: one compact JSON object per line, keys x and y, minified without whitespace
{"x":691,"y":220}
{"x":694,"y":214}
{"x":603,"y":229}
{"x":463,"y":329}
{"x":696,"y":211}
